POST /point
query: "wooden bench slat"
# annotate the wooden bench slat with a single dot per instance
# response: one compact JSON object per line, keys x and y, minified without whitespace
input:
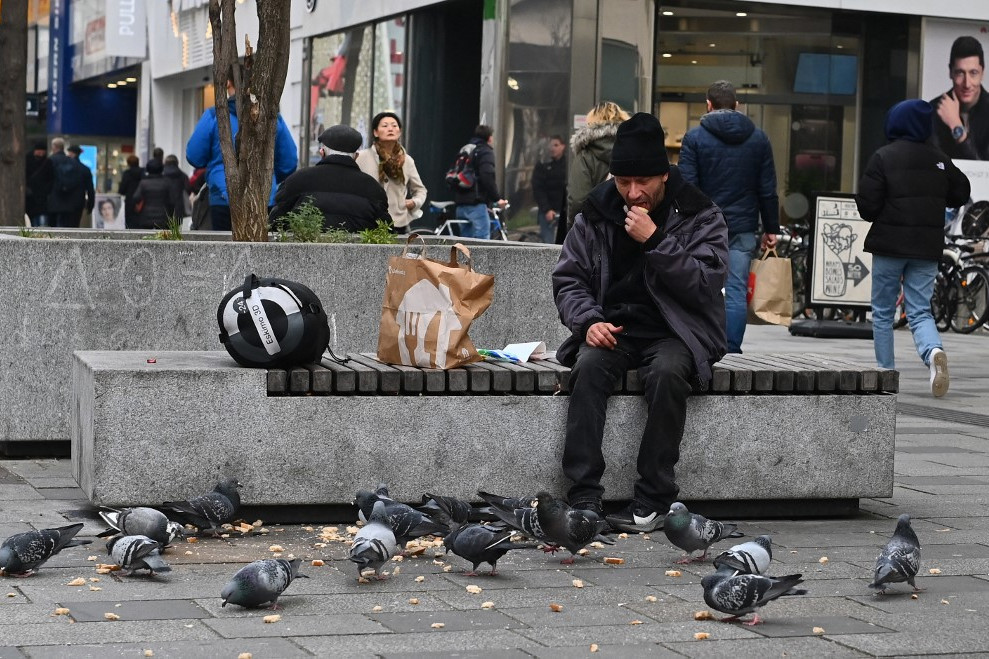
{"x":825,"y":377}
{"x":772,"y":374}
{"x":720,"y":379}
{"x":344,"y":377}
{"x":741,"y":377}
{"x":562,"y":372}
{"x":277,"y":381}
{"x":762,"y":376}
{"x":389,"y":379}
{"x":457,"y":380}
{"x":545,"y":377}
{"x":501,"y":379}
{"x":523,"y":380}
{"x":321,"y":378}
{"x":367,"y":377}
{"x":479,"y":378}
{"x":298,"y":380}
{"x":412,"y":377}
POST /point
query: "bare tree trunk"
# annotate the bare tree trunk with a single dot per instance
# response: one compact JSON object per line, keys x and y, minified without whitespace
{"x":249,"y":164}
{"x":13,"y":81}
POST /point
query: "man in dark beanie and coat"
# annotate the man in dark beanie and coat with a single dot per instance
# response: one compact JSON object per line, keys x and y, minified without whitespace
{"x":639,"y":283}
{"x":348,"y":198}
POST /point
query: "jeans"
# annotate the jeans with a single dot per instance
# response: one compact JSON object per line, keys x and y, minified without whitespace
{"x":665,"y":368}
{"x":66,"y":220}
{"x":740,"y":248}
{"x":917,"y":277}
{"x":40,"y":220}
{"x":220,"y":217}
{"x":547,"y":231}
{"x":480,"y":221}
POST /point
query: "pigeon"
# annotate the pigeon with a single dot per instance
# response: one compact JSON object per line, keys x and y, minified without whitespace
{"x":505,"y":503}
{"x":405,"y":521}
{"x":136,"y":552}
{"x":751,"y":557}
{"x":141,"y":521}
{"x":691,"y":532}
{"x":261,"y":583}
{"x":209,"y":511}
{"x":23,"y":553}
{"x":480,"y":544}
{"x":552,"y":521}
{"x":899,"y":560}
{"x":740,"y":594}
{"x":448,"y":509}
{"x":375,"y":543}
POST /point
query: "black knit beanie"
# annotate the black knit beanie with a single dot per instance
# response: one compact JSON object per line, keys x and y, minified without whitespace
{"x":639,"y":148}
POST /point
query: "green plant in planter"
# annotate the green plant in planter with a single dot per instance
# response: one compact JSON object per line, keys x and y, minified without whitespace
{"x":173,"y":232}
{"x":302,"y":224}
{"x":380,"y":235}
{"x":27,"y":232}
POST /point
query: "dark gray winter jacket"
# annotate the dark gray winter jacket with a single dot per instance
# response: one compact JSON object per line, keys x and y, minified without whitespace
{"x":685,"y":271}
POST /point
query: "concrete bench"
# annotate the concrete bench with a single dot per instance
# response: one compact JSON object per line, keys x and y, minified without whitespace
{"x":804,"y":431}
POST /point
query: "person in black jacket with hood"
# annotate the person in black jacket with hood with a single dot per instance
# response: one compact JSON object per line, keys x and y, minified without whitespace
{"x":903,"y":191}
{"x":348,"y":198}
{"x":156,"y":200}
{"x":549,"y":186}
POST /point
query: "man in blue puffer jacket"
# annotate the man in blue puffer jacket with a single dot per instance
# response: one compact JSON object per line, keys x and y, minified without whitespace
{"x":203,"y":150}
{"x":731,"y":161}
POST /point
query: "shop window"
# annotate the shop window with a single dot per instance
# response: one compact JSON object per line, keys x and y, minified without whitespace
{"x":354,"y":75}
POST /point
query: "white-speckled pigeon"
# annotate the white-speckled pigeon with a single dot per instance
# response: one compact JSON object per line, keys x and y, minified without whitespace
{"x":899,"y":560}
{"x":405,"y":521}
{"x":691,"y":532}
{"x":209,"y":511}
{"x":752,"y":557}
{"x":552,"y":522}
{"x":375,"y":543}
{"x":740,"y":594}
{"x":141,"y":521}
{"x":261,"y":583}
{"x":23,"y":553}
{"x":136,"y":552}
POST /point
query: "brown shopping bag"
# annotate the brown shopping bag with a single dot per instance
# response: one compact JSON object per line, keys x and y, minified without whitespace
{"x":770,"y":294}
{"x":428,"y":308}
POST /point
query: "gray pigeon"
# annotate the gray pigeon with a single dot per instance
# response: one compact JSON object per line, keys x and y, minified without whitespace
{"x":141,"y":521}
{"x":899,"y":560}
{"x":404,"y":520}
{"x":552,"y":522}
{"x":136,"y":552}
{"x":448,"y":510}
{"x":480,"y":544}
{"x":740,"y":594}
{"x":375,"y":543}
{"x":691,"y":532}
{"x":23,"y":553}
{"x":209,"y":511}
{"x":750,"y":557}
{"x":261,"y":583}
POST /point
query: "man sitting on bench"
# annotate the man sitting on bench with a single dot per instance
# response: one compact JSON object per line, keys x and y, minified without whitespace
{"x":640,"y":284}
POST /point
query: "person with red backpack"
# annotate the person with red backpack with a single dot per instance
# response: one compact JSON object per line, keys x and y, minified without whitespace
{"x":472,"y":202}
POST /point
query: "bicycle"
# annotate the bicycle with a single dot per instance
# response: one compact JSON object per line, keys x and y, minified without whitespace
{"x":961,"y":289}
{"x":447,"y":225}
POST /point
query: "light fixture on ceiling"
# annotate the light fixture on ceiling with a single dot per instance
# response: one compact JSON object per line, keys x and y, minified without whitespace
{"x":513,"y":83}
{"x":667,"y":12}
{"x":121,"y":83}
{"x":712,"y":45}
{"x":741,"y":14}
{"x":111,"y":85}
{"x":131,"y":79}
{"x":667,"y":55}
{"x":693,"y":61}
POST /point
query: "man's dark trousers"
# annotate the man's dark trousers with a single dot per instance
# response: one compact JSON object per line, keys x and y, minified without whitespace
{"x":666,"y":368}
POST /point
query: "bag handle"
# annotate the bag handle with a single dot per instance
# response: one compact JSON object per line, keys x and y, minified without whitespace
{"x":766,"y":253}
{"x":250,"y":283}
{"x":408,"y":244}
{"x":454,"y":261}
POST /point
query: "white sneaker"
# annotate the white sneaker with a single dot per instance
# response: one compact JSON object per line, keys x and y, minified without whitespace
{"x":939,"y":372}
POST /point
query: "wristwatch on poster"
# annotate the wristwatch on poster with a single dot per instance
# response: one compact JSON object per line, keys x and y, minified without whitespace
{"x":958,"y":132}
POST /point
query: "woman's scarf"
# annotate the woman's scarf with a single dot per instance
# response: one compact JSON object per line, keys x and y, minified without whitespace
{"x":390,"y":165}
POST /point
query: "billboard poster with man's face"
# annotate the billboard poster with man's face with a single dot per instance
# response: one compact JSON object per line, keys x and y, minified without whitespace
{"x":953,"y":80}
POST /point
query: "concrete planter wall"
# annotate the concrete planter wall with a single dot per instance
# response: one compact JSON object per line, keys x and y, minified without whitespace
{"x":68,"y":294}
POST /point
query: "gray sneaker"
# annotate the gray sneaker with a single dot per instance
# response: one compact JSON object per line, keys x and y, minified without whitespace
{"x":939,"y":372}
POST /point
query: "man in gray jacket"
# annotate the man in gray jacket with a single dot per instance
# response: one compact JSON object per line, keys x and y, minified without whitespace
{"x":639,"y":284}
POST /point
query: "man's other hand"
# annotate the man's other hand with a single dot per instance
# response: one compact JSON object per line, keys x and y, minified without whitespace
{"x":602,"y":335}
{"x":769,"y":240}
{"x":638,"y":224}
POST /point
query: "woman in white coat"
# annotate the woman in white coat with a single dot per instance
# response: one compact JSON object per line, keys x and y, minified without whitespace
{"x":388,"y":163}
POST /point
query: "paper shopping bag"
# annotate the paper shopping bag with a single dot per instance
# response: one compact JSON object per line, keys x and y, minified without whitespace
{"x":428,"y":307}
{"x":770,"y":294}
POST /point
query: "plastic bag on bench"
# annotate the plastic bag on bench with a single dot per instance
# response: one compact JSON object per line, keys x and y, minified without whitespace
{"x":428,"y":308}
{"x":273,"y":323}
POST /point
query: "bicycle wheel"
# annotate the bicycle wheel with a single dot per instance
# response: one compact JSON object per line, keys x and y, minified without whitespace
{"x":971,"y":300}
{"x":900,"y":312}
{"x":941,"y":301}
{"x":798,"y":272}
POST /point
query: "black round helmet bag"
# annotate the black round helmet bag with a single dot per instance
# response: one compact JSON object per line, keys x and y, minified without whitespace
{"x":273,"y":323}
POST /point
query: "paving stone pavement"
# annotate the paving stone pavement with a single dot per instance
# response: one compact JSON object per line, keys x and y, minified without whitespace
{"x":629,"y":610}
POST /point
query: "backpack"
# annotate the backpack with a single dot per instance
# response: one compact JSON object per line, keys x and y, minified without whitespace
{"x":69,"y":175}
{"x":463,"y":175}
{"x":273,"y":323}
